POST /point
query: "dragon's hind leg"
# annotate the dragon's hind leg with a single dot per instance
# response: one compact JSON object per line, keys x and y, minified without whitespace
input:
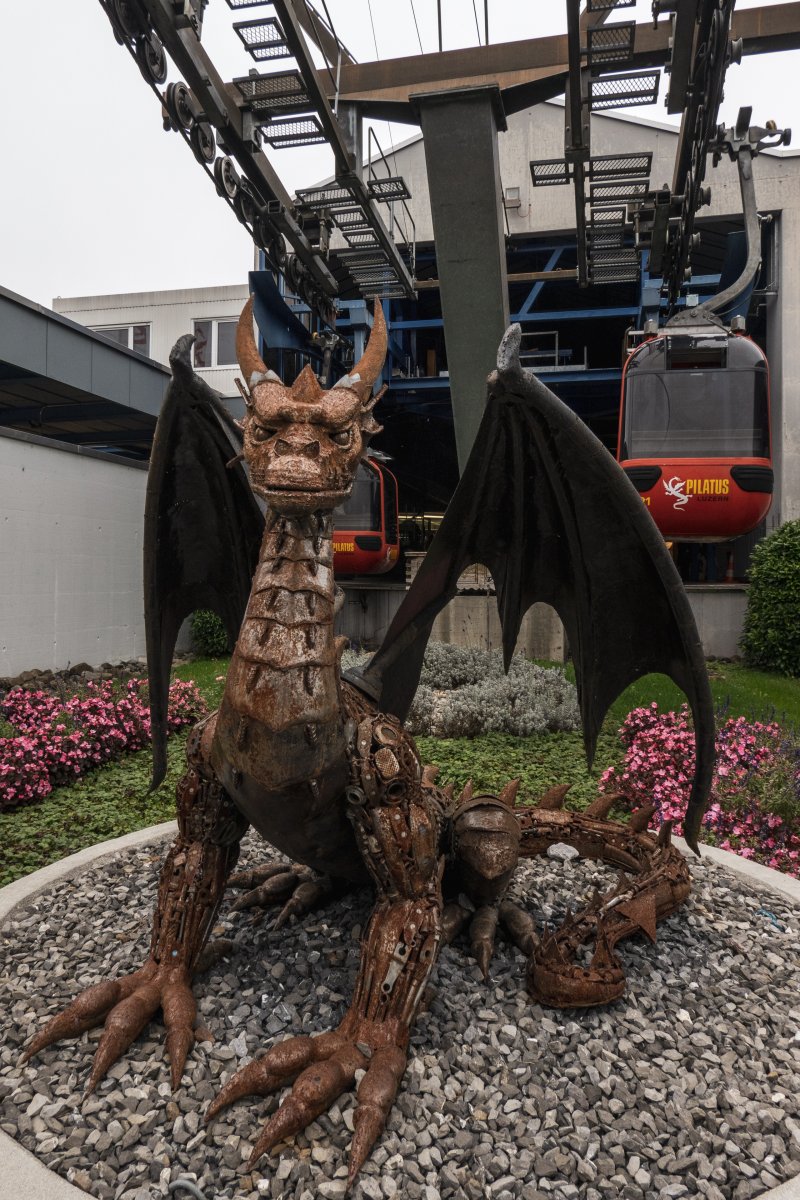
{"x":654,"y":882}
{"x":192,"y":882}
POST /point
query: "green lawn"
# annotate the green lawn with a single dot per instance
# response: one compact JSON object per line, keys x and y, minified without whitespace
{"x":115,"y":799}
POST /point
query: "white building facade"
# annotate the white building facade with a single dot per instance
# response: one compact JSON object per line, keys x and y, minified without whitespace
{"x":152,"y":322}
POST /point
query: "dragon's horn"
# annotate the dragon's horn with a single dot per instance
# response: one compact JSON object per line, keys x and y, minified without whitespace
{"x":252,"y":365}
{"x":370,"y":365}
{"x":508,"y":351}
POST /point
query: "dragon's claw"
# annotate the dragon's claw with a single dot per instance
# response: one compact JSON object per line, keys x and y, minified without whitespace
{"x":298,"y":890}
{"x":506,"y":917}
{"x":322,"y":1068}
{"x":125,"y":1006}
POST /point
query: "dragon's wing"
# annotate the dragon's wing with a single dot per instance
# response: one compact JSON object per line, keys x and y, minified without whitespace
{"x":202,"y":528}
{"x":543,"y":505}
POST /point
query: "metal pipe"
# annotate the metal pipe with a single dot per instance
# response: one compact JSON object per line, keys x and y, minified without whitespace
{"x":752,"y":229}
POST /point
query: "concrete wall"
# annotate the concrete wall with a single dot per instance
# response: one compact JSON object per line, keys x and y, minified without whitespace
{"x":468,"y":620}
{"x":472,"y":620}
{"x":368,"y":612}
{"x":70,"y":556}
{"x":169,"y":315}
{"x":719,"y":613}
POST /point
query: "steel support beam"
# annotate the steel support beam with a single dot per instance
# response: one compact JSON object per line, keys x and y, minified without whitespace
{"x":531,"y":71}
{"x":343,"y":155}
{"x":321,"y":33}
{"x":221,"y":107}
{"x":346,"y":151}
{"x":461,"y":155}
{"x":561,"y":273}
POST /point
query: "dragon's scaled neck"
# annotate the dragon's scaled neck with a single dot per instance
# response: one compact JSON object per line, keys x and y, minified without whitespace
{"x":285,"y":667}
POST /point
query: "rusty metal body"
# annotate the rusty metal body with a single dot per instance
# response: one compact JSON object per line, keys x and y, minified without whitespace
{"x":310,"y":762}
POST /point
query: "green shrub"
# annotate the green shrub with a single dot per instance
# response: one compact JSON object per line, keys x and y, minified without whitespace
{"x":465,"y":692}
{"x":771,"y":638}
{"x":208,"y":634}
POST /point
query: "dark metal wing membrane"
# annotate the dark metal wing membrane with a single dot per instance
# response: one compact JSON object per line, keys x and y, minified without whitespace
{"x":202,"y":528}
{"x":546,"y":508}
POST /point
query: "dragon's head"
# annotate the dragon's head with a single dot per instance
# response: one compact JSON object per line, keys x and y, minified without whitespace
{"x":303,"y":443}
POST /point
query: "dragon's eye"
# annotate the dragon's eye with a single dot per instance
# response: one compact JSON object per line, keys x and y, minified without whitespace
{"x":260,"y":433}
{"x":343,"y":438}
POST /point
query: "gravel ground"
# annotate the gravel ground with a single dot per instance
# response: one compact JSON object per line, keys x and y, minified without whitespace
{"x":688,"y":1086}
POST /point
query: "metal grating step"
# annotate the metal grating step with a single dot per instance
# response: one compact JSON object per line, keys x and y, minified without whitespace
{"x":623,"y":192}
{"x":607,"y":216}
{"x":393,"y":188}
{"x":276,"y":95}
{"x":623,"y":91}
{"x":303,"y":131}
{"x":377,"y":284}
{"x":605,"y":237}
{"x":333,"y":197}
{"x":362,"y":258}
{"x":620,"y":166}
{"x":373,"y":275}
{"x":263,"y":39}
{"x":608,"y":5}
{"x":385,"y":293}
{"x":609,"y":44}
{"x":600,"y":275}
{"x":614,"y":266}
{"x":237,"y":4}
{"x":363,"y":238}
{"x":547,"y":171}
{"x":351,"y":218}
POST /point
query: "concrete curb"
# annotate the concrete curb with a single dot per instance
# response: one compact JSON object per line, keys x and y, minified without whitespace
{"x":23,"y":889}
{"x":774,"y":881}
{"x":25,"y":1176}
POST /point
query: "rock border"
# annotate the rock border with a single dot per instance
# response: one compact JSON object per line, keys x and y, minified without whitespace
{"x":23,"y":1173}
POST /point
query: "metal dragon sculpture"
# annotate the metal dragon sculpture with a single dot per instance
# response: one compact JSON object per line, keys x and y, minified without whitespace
{"x":321,"y":765}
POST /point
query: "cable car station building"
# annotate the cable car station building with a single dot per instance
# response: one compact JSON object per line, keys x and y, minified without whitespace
{"x":574,"y":337}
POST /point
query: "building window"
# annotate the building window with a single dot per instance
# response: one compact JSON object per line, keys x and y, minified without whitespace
{"x":132,"y":337}
{"x":215,"y":343}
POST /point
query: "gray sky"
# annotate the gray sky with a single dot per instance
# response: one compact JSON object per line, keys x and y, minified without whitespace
{"x":97,"y":198}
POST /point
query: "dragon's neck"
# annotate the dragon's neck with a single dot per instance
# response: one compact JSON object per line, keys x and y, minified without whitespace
{"x":284,"y":669}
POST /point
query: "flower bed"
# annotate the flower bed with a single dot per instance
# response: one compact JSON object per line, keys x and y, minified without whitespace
{"x":51,"y":741}
{"x":755,"y":796}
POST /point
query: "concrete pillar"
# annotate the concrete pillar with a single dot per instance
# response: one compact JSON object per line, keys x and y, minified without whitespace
{"x":783,"y":352}
{"x":459,"y":129}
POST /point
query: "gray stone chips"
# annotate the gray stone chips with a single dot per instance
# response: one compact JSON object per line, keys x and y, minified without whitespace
{"x":688,"y":1087}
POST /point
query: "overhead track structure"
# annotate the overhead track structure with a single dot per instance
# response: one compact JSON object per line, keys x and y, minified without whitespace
{"x":599,"y":66}
{"x":281,"y":109}
{"x":625,"y":216}
{"x":461,"y":100}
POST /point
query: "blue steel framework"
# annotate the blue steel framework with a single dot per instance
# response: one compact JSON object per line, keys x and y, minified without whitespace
{"x":416,"y":411}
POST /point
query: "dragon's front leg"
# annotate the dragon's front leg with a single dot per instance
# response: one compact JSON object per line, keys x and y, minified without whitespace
{"x":398,"y":822}
{"x":192,"y":883}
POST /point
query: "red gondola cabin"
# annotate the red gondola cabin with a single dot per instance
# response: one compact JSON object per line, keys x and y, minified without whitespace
{"x":365,"y":528}
{"x":694,"y":432}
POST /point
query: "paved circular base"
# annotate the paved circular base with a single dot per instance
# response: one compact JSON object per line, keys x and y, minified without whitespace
{"x":25,"y":1176}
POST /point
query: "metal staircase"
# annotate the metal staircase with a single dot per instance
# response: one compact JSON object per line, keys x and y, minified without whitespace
{"x":289,"y":108}
{"x":228,"y":124}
